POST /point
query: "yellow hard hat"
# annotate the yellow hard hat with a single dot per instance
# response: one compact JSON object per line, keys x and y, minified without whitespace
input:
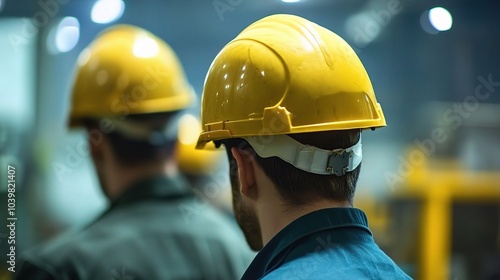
{"x":127,"y":70}
{"x":284,"y":74}
{"x":190,"y":160}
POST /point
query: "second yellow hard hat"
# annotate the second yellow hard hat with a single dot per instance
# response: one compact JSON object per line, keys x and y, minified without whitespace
{"x":127,"y":70}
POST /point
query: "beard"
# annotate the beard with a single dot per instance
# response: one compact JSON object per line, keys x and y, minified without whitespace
{"x":246,"y":216}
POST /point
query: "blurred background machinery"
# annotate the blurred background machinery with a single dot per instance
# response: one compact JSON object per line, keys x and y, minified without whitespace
{"x":429,"y":181}
{"x":442,"y":218}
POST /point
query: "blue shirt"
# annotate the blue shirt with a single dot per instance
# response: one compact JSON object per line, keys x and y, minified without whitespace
{"x":330,"y":243}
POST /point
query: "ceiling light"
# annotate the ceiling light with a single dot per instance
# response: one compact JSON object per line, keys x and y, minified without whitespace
{"x":63,"y":36}
{"x":106,"y":11}
{"x":440,"y":19}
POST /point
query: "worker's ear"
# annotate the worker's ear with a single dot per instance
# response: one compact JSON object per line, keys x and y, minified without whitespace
{"x":246,"y":172}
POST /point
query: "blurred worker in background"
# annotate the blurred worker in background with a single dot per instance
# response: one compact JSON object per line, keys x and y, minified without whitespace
{"x":288,"y":100}
{"x":205,"y":170}
{"x":129,"y":87}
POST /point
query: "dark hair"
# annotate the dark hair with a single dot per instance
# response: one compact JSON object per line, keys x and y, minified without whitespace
{"x":131,"y":152}
{"x":298,"y":187}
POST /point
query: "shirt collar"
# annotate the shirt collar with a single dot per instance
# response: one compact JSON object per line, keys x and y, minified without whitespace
{"x":273,"y":253}
{"x":159,"y":187}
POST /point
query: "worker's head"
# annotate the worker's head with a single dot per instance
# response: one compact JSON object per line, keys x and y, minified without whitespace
{"x":128,"y":86}
{"x":288,"y":99}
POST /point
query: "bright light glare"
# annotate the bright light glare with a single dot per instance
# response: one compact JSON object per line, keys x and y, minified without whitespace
{"x":189,"y":129}
{"x":145,"y":47}
{"x":440,"y":19}
{"x":63,"y":36}
{"x":290,"y":1}
{"x":106,"y":11}
{"x":67,"y":34}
